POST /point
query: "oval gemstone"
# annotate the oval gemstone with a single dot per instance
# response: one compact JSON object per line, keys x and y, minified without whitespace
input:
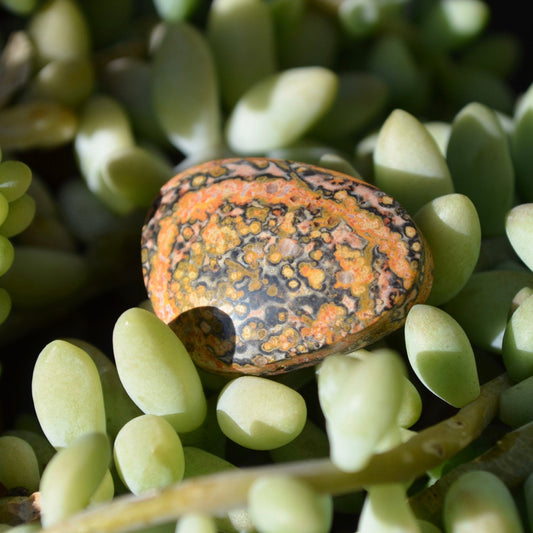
{"x":262,"y":266}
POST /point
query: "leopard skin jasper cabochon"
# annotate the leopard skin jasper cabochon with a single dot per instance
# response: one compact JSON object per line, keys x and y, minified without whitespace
{"x":263,"y":266}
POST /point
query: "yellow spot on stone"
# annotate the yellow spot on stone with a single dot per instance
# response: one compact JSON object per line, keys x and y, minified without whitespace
{"x":286,"y":340}
{"x":187,"y":233}
{"x":316,"y":255}
{"x":217,"y":170}
{"x":287,"y":271}
{"x":255,"y":227}
{"x":326,"y":237}
{"x":410,"y":231}
{"x":287,"y":227}
{"x":198,"y":180}
{"x":254,"y":285}
{"x":272,"y":291}
{"x":293,"y":284}
{"x":315,"y":276}
{"x":274,"y":257}
{"x":241,"y":310}
{"x":257,"y":212}
{"x":219,"y":239}
{"x":246,"y":333}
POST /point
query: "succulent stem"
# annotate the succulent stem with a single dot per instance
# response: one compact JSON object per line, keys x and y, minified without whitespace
{"x":221,"y":492}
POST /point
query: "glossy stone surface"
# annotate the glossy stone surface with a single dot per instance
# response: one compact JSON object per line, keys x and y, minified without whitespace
{"x":263,"y":266}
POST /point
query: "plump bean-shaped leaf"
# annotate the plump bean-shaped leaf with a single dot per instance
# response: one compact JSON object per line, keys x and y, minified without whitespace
{"x":392,"y":59}
{"x":427,"y":527}
{"x":208,"y":435}
{"x":386,"y":505}
{"x":156,"y":370}
{"x":42,"y":276}
{"x":360,"y":99}
{"x":136,"y":174}
{"x":272,"y":415}
{"x":482,"y":305}
{"x":148,"y":454}
{"x":286,"y":15}
{"x":408,"y":163}
{"x":451,"y":227}
{"x":304,"y":150}
{"x":67,"y":393}
{"x":72,"y":477}
{"x":517,"y":344}
{"x":311,"y":443}
{"x":15,"y":178}
{"x":18,"y":464}
{"x":359,"y":18}
{"x":480,"y":163}
{"x":241,"y":36}
{"x":42,"y":448}
{"x":23,"y":528}
{"x":479,"y":501}
{"x":105,"y":491}
{"x":360,"y":401}
{"x":59,"y":30}
{"x":28,"y":125}
{"x":20,"y":7}
{"x":129,"y":80}
{"x":175,"y":10}
{"x":496,"y":53}
{"x":281,"y":503}
{"x":107,"y":20}
{"x":196,"y":523}
{"x":280,"y":109}
{"x":7,"y":254}
{"x":338,"y":163}
{"x":521,"y":146}
{"x":104,"y":128}
{"x":516,"y":404}
{"x":519,"y":298}
{"x":19,"y":217}
{"x":364,"y":18}
{"x":440,"y":131}
{"x":296,"y":43}
{"x":411,"y":407}
{"x":119,"y":407}
{"x":462,"y":85}
{"x":519,"y":230}
{"x":4,"y":208}
{"x":199,"y":462}
{"x":182,"y":61}
{"x":441,"y":355}
{"x":451,"y":24}
{"x":68,"y":81}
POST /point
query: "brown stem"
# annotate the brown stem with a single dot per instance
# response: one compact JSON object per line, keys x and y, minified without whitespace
{"x":510,"y":459}
{"x":221,"y":492}
{"x":19,"y":509}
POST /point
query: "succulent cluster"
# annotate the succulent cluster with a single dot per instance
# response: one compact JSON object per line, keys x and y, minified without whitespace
{"x":428,"y":430}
